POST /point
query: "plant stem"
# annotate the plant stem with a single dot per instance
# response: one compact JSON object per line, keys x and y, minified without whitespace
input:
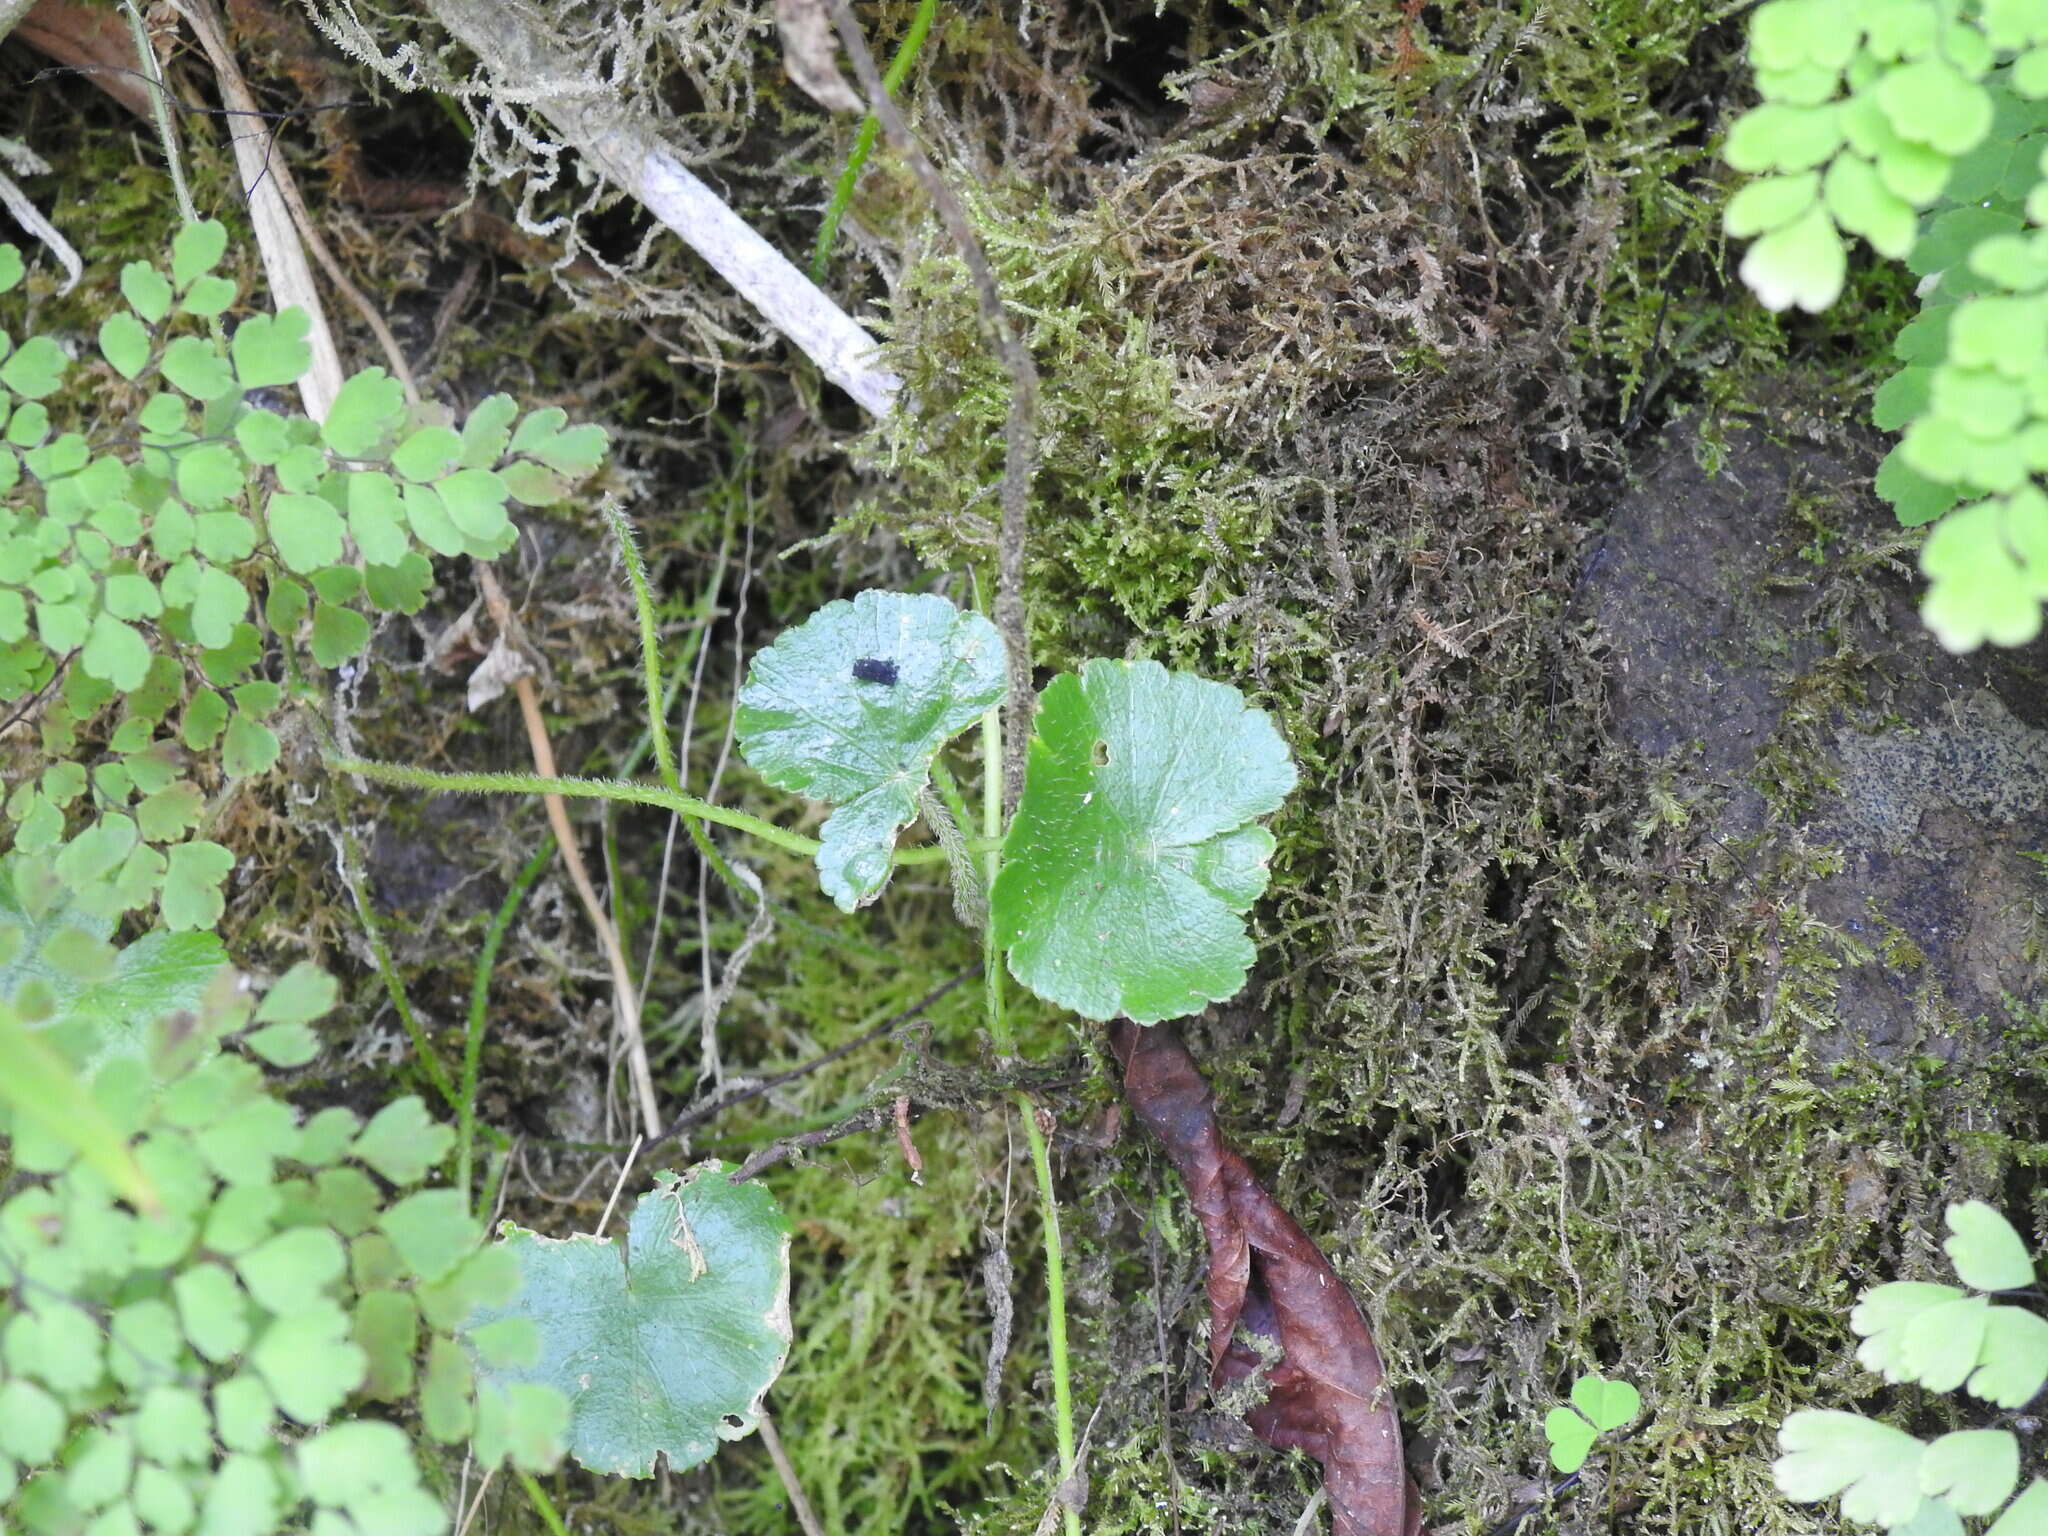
{"x":159,"y":100}
{"x":542,"y":1505}
{"x":688,"y":807}
{"x":583,"y":789}
{"x":650,"y":645}
{"x":1034,"y":1134}
{"x":864,"y":140}
{"x":479,"y":998}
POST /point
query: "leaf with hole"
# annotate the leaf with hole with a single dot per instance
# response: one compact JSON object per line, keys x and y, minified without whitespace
{"x":662,"y":1343}
{"x":852,"y":705}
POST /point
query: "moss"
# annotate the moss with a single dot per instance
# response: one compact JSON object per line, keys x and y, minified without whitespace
{"x":1340,"y":309}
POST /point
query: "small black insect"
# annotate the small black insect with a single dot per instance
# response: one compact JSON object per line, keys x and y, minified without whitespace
{"x":875,"y":669}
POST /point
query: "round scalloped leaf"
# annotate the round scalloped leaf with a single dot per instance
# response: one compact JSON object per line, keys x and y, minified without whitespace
{"x":1135,"y":850}
{"x":11,"y":269}
{"x":35,"y":369}
{"x":402,"y":1141}
{"x":1776,"y":137}
{"x":116,"y":652}
{"x":146,"y":290}
{"x":1973,"y":1469}
{"x":196,"y":249}
{"x":1874,"y":1467}
{"x":1932,"y":102}
{"x":124,"y":343}
{"x":309,"y":1362}
{"x":1803,"y":263}
{"x":1785,"y":33}
{"x":2008,"y":334}
{"x":1864,"y":205}
{"x":1881,"y":1317}
{"x":1987,"y":1253}
{"x":665,"y":1345}
{"x":852,"y":705}
{"x":209,"y":297}
{"x":366,"y":411}
{"x":272,"y":350}
{"x":1940,"y":1346}
{"x":196,"y":368}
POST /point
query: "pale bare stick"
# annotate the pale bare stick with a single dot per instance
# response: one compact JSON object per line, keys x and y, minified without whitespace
{"x":469,"y":1514}
{"x":534,"y":65}
{"x":618,"y":1184}
{"x":264,"y":178}
{"x":804,"y":1515}
{"x":626,"y":1001}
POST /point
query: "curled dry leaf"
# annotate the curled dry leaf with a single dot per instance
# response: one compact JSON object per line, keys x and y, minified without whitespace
{"x":1327,"y":1393}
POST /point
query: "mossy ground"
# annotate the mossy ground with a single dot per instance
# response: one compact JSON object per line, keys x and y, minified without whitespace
{"x":1347,"y":316}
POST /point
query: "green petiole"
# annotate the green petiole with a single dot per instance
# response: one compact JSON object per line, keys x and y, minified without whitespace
{"x":687,"y":806}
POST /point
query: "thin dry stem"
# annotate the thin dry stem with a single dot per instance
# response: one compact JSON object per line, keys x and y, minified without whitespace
{"x":805,"y":1516}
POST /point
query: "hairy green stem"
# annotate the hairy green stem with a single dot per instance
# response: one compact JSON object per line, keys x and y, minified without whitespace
{"x":864,"y":140}
{"x":160,"y":103}
{"x":479,"y":999}
{"x":688,"y":807}
{"x":1034,"y":1134}
{"x":650,"y":646}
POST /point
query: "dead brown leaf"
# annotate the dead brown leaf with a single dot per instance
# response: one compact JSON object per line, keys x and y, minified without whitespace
{"x":1326,"y":1394}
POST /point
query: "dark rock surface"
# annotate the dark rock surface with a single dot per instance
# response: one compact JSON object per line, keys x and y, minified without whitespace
{"x":1766,"y":652}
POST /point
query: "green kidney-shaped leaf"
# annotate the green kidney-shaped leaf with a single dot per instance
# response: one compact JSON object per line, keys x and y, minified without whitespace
{"x":1135,"y":850}
{"x":663,"y":1346}
{"x":1987,"y":1253}
{"x":851,"y":706}
{"x":270,"y":350}
{"x":1609,"y":1404}
{"x":1570,"y":1437}
{"x":1874,"y":1467}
